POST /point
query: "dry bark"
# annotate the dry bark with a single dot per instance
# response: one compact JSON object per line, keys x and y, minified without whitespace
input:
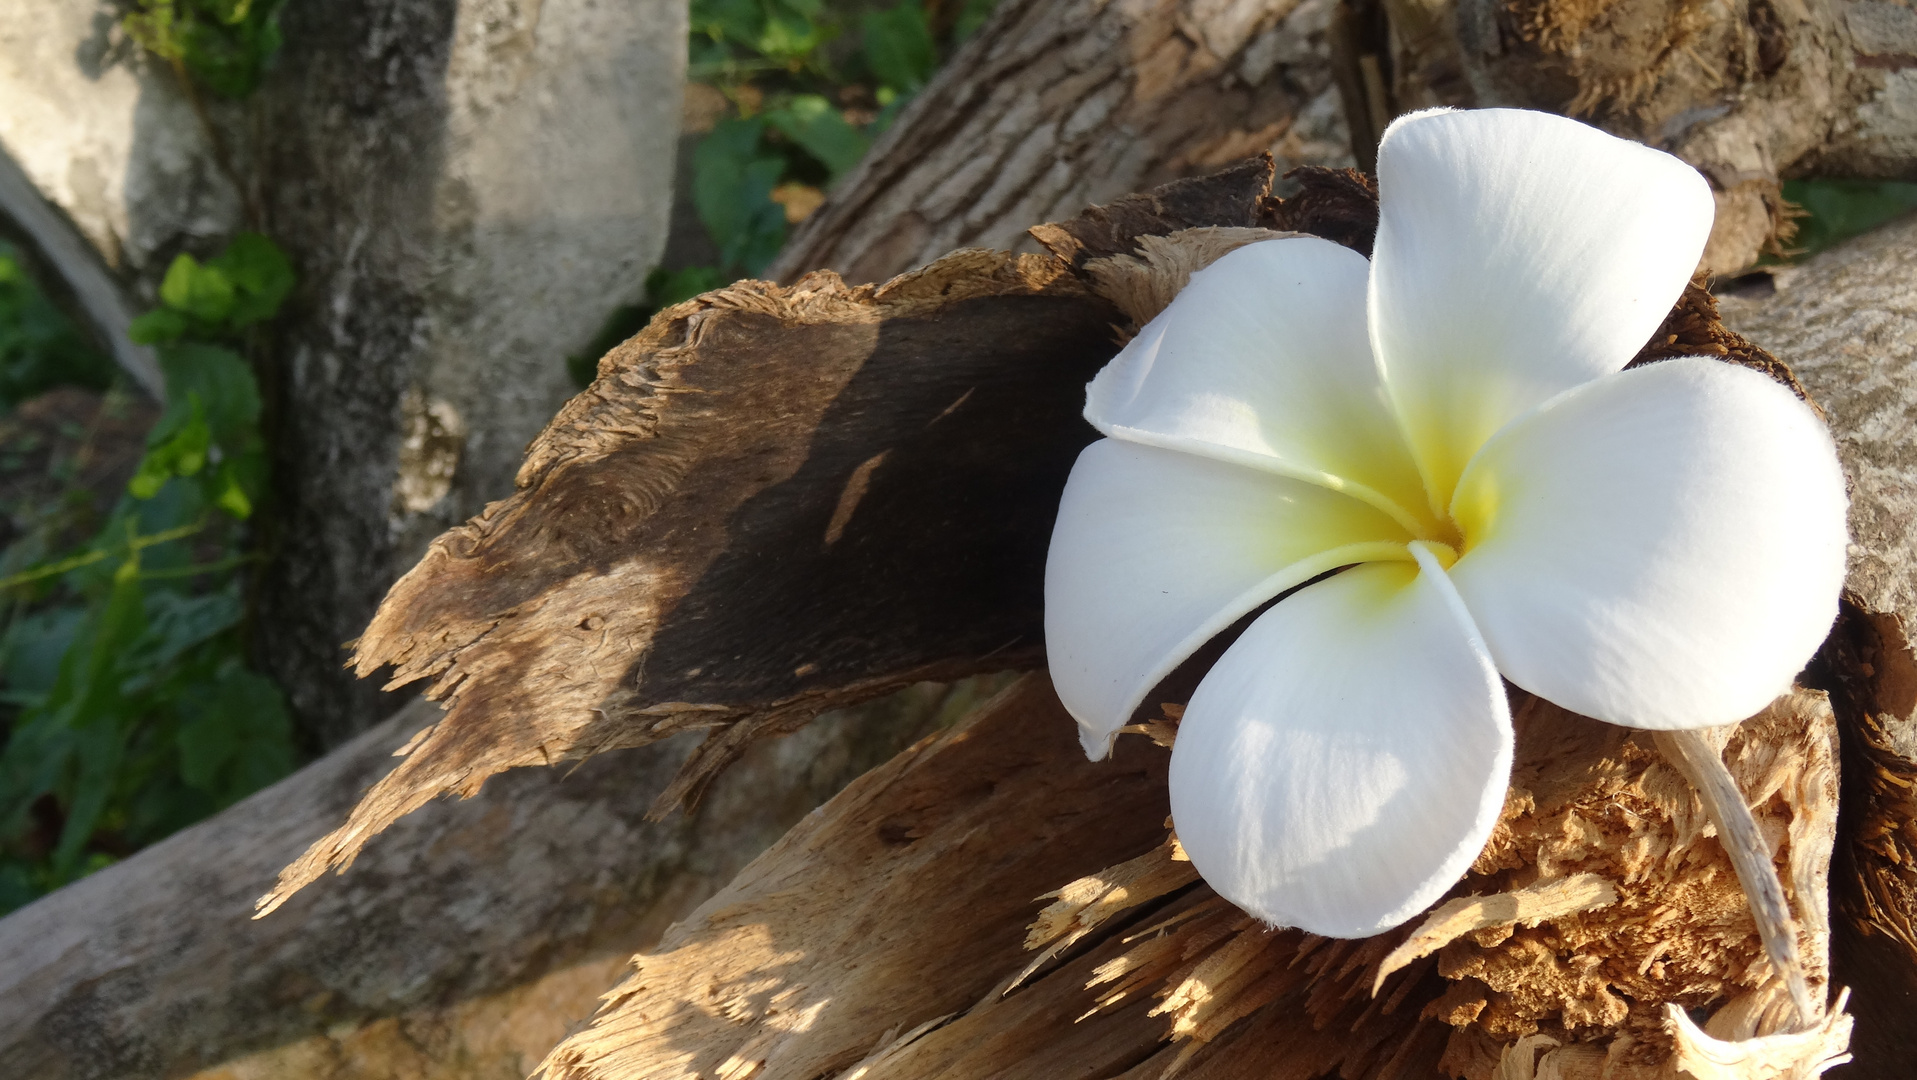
{"x":772,"y":502}
{"x":890,"y":936}
{"x":1056,"y":106}
{"x":709,"y":539}
{"x":462,"y":948}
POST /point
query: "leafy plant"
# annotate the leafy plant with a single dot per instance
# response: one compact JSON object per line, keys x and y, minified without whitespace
{"x":222,"y":44}
{"x":136,"y":714}
{"x":39,"y":347}
{"x":899,"y":48}
{"x":812,"y":83}
{"x":1836,"y":210}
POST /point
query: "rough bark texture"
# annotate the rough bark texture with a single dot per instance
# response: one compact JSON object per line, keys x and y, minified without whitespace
{"x":470,"y":187}
{"x":772,"y":501}
{"x":1749,"y":91}
{"x":464,"y":947}
{"x":1056,"y":106}
{"x":888,"y":936}
{"x":1846,"y":320}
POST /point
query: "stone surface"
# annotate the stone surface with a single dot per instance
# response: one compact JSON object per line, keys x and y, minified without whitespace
{"x":108,"y":136}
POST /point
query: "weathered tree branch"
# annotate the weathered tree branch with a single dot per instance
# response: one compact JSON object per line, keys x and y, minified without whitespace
{"x":1053,"y":107}
{"x":538,"y":888}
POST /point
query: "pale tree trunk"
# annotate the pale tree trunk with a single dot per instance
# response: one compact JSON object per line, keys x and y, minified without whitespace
{"x":467,"y":189}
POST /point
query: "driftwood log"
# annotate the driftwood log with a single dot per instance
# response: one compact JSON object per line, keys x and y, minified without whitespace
{"x":462,"y":948}
{"x":1053,"y":107}
{"x":772,"y":502}
{"x":899,"y":935}
{"x":513,"y":618}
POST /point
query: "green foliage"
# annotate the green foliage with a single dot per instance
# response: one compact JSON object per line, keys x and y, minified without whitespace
{"x":815,"y":127}
{"x":224,"y":45}
{"x":812,"y":82}
{"x":1839,"y":209}
{"x":39,"y":347}
{"x":899,"y":48}
{"x":733,"y":177}
{"x":136,"y":714}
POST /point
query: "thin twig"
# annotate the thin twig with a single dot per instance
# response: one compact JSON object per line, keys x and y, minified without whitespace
{"x":1737,"y":830}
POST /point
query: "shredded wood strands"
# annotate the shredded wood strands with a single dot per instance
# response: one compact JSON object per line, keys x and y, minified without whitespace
{"x":1697,"y":755}
{"x":1538,"y":987}
{"x":1541,"y":900}
{"x":892,"y":935}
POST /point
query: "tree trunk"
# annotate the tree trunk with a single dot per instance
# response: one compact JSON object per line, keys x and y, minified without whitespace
{"x":1055,"y":106}
{"x":471,"y":187}
{"x":467,"y":188}
{"x":463,"y":948}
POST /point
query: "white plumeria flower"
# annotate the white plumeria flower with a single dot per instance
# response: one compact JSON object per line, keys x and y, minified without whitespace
{"x":1660,"y":548}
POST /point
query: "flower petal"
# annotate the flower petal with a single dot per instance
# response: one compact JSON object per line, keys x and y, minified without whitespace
{"x":1661,"y":548}
{"x":1155,"y":552}
{"x":1518,"y":255}
{"x":1345,"y":760}
{"x":1263,"y":360}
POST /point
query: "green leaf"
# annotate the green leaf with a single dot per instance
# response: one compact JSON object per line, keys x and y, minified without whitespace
{"x":237,"y":736}
{"x":31,"y":650}
{"x":224,"y":386}
{"x":161,"y":326}
{"x":733,"y":178}
{"x":156,"y":27}
{"x":182,"y":452}
{"x":1840,"y":209}
{"x":203,"y":292}
{"x":233,"y":498}
{"x":899,"y":47}
{"x":821,"y":130}
{"x":665,"y":288}
{"x":261,"y":275}
{"x":40,"y":347}
{"x":176,"y":623}
{"x":970,"y":18}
